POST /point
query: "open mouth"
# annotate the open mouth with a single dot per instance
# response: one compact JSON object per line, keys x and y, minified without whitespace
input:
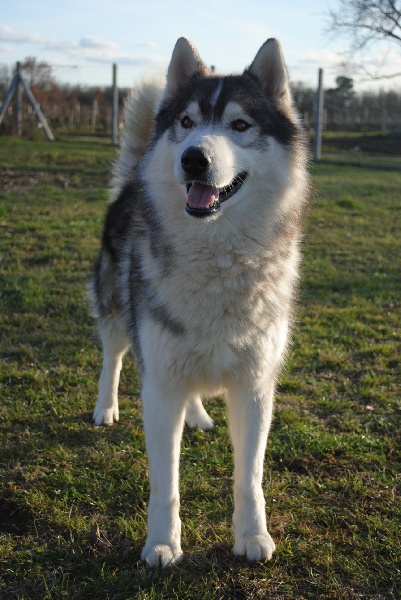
{"x":204,"y":200}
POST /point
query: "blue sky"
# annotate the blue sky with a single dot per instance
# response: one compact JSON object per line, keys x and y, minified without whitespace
{"x":142,"y":34}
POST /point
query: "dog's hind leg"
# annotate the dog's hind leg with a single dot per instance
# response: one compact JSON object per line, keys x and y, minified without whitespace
{"x":196,"y":415}
{"x":115,"y":344}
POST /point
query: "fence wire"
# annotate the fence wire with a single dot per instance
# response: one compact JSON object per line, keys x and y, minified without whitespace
{"x":78,"y":99}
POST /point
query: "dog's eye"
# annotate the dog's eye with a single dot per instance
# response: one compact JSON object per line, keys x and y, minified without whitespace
{"x":239,"y":125}
{"x":186,"y":122}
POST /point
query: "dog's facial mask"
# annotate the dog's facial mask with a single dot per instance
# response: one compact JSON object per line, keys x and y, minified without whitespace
{"x":195,"y":167}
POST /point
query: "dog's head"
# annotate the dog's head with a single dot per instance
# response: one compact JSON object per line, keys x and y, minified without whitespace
{"x":227,"y":134}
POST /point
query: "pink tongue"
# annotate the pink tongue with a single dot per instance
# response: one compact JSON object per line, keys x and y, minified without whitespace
{"x":200,"y":196}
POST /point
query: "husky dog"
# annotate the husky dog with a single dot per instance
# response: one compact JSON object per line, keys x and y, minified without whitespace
{"x":198,"y":271}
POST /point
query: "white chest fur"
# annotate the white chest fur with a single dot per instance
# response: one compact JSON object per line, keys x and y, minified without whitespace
{"x":232,"y":296}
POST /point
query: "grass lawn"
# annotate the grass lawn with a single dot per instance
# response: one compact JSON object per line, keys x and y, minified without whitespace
{"x":73,"y":497}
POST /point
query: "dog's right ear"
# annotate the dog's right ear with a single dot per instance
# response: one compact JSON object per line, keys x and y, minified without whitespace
{"x":185,"y":62}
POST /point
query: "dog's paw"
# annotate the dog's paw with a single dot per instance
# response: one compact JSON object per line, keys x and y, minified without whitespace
{"x":105,"y":415}
{"x":255,"y":547}
{"x":161,"y":555}
{"x":203,"y":422}
{"x":196,"y":415}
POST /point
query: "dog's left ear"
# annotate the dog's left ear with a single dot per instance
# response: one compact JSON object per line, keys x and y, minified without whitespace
{"x":269,"y":67}
{"x":185,"y":62}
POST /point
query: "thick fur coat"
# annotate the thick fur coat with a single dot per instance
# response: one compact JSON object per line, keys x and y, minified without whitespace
{"x":198,"y":271}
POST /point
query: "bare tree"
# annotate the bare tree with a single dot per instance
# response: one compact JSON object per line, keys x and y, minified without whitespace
{"x":37,"y":73}
{"x":367,"y":22}
{"x":5,"y":80}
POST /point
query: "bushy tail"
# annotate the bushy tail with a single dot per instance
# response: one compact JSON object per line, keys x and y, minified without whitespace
{"x":139,"y":112}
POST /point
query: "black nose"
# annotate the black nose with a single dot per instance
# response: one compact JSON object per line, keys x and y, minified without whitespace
{"x":195,"y":161}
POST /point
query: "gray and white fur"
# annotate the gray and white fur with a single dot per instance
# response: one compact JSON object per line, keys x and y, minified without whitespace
{"x":198,"y":271}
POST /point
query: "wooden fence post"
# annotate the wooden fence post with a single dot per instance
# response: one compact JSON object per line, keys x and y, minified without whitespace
{"x":114,"y":110}
{"x":18,"y":83}
{"x":94,"y":114}
{"x":317,"y":146}
{"x":18,"y":102}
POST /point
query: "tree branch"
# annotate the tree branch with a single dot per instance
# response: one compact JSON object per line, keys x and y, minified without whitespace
{"x":367,"y":22}
{"x":381,"y":18}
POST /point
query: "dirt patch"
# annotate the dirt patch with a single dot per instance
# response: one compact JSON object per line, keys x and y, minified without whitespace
{"x":14,"y":180}
{"x":14,"y":519}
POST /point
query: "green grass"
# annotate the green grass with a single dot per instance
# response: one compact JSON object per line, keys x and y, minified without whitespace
{"x":332,"y":481}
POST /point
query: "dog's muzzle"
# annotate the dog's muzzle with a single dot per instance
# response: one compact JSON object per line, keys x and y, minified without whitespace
{"x":204,"y":199}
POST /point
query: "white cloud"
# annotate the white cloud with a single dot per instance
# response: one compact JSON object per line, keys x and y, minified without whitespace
{"x":55,"y":45}
{"x":89,"y":47}
{"x":97,"y":43}
{"x":9,"y":35}
{"x":382,"y":63}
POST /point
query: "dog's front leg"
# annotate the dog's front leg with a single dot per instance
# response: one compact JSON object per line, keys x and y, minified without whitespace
{"x":164,"y":421}
{"x":250,"y":416}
